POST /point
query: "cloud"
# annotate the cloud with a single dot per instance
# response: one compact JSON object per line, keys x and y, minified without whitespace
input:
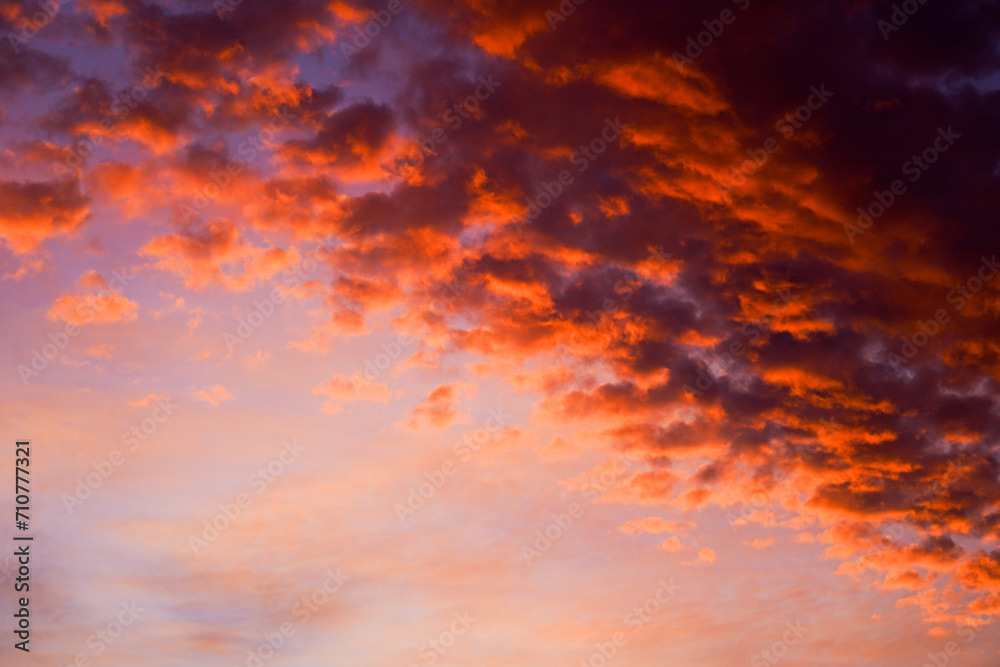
{"x":352,"y":141}
{"x":655,"y":525}
{"x":981,"y":571}
{"x":706,"y":557}
{"x":438,"y":411}
{"x":217,"y":254}
{"x":685,"y":296}
{"x":93,"y":308}
{"x":146,"y":400}
{"x":36,"y":211}
{"x":760,"y":543}
{"x":101,"y":351}
{"x":906,"y":579}
{"x":356,"y":387}
{"x":258,"y":361}
{"x":214,"y":396}
{"x":672,"y":544}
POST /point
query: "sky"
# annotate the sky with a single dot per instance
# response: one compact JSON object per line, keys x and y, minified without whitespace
{"x":441,"y":332}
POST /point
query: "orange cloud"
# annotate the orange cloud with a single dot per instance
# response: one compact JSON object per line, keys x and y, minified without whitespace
{"x":36,"y":211}
{"x":216,"y":395}
{"x":438,"y":411}
{"x":90,"y":308}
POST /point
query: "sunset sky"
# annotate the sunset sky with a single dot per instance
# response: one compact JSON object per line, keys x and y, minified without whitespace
{"x":504,"y":334}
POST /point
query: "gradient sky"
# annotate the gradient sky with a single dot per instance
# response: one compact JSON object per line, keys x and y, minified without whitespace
{"x":516,"y":334}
